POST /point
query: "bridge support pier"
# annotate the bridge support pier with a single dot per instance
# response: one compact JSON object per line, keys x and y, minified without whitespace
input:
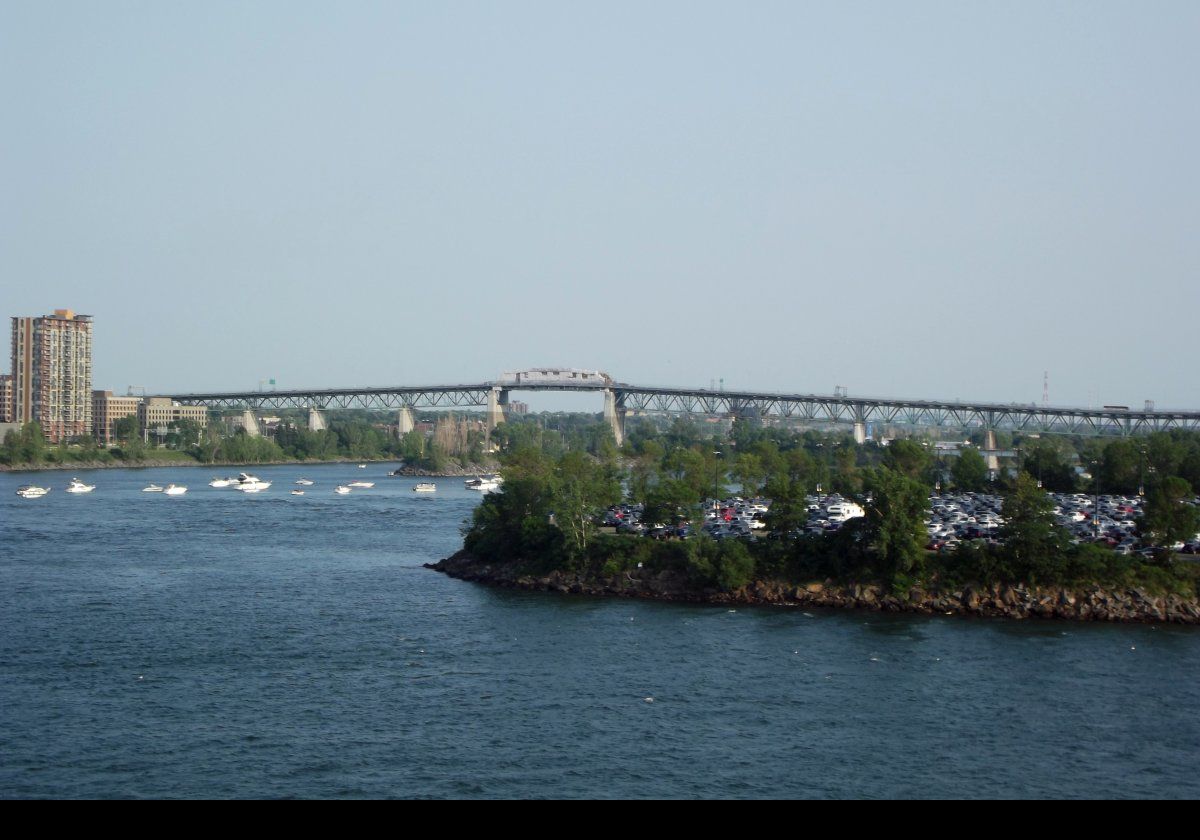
{"x":614,"y":415}
{"x":497,"y":401}
{"x":316,"y":419}
{"x":405,"y":422}
{"x":860,"y":432}
{"x":250,"y":424}
{"x":989,"y":448}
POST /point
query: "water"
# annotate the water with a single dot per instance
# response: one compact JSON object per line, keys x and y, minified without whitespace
{"x":221,"y":645}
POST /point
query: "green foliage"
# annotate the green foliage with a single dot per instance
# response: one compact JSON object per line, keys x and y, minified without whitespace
{"x":1120,"y":469}
{"x":909,"y":458}
{"x":1168,"y":517}
{"x":1035,"y":547}
{"x":1048,"y":460}
{"x":970,"y":472}
{"x":126,"y":428}
{"x":725,"y":565}
{"x":581,"y":489}
{"x":670,"y":502}
{"x":895,"y":522}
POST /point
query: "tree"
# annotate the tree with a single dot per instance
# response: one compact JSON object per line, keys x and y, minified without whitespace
{"x":582,"y":489}
{"x":895,"y":522}
{"x":1036,"y":547}
{"x":126,"y":428}
{"x":748,"y":471}
{"x":1169,"y":517}
{"x":788,"y":513}
{"x":1120,"y":468}
{"x":1047,"y":462}
{"x":970,"y":470}
{"x":908,"y":457}
{"x":671,"y":502}
{"x":32,"y":444}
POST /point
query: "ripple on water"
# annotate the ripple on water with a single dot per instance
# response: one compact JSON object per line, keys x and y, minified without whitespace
{"x":293,"y":646}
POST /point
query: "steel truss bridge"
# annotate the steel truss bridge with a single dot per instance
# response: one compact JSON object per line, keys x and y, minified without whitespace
{"x":620,"y":400}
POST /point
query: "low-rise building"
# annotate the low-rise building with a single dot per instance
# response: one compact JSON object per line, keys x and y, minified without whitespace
{"x":107,"y":409}
{"x":161,"y":412}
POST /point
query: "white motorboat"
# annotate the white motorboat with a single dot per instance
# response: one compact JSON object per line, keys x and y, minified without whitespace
{"x":305,"y":482}
{"x":341,"y":489}
{"x":362,"y":466}
{"x":364,"y":485}
{"x":425,"y":487}
{"x":174,"y":490}
{"x":28,"y":491}
{"x":77,"y":486}
{"x":297,"y":492}
{"x":152,"y":488}
{"x":250,"y":483}
{"x":222,"y":482}
{"x":483,"y":484}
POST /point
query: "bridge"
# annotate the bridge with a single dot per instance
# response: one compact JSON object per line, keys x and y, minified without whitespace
{"x":620,"y":399}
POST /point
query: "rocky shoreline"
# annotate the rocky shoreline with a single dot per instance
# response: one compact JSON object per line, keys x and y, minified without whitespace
{"x":1092,"y":603}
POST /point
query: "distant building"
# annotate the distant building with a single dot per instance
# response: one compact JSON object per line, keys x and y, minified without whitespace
{"x":52,"y":373}
{"x":160,"y":412}
{"x":108,"y":409}
{"x":518,"y":407}
{"x":6,"y":398}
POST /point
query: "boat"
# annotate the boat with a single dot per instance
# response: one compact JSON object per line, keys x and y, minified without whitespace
{"x":77,"y":486}
{"x":341,"y":489}
{"x":174,"y":490}
{"x":250,"y":483}
{"x":482,"y":484}
{"x":152,"y":488}
{"x":305,"y":482}
{"x":425,"y":487}
{"x":365,"y":485}
{"x":362,"y":466}
{"x":222,"y":482}
{"x":297,"y":492}
{"x":28,"y":491}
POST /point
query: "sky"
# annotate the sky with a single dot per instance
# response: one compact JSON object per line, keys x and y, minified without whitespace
{"x":943,"y":200}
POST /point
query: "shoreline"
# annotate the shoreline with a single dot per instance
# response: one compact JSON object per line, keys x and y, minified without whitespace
{"x":217,"y":465}
{"x":1089,"y":603}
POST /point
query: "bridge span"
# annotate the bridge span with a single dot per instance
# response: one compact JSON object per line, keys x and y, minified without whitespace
{"x":621,"y":399}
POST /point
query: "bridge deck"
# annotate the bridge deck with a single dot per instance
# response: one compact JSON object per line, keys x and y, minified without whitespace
{"x":811,"y":407}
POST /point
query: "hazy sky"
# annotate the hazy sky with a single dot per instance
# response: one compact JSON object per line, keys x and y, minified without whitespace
{"x":908,"y":199}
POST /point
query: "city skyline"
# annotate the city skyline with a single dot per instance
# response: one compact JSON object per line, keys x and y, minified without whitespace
{"x":913,"y":202}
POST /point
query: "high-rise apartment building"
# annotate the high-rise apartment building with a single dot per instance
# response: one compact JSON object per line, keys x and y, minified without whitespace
{"x":52,"y":373}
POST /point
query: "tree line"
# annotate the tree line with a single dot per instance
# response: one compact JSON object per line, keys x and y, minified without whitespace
{"x":553,"y":498}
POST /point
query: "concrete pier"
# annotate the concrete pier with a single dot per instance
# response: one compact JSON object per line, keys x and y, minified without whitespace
{"x":250,"y":423}
{"x":614,"y":415}
{"x":989,"y":450}
{"x":316,"y":419}
{"x":860,"y":432}
{"x":405,"y":422}
{"x":497,"y":402}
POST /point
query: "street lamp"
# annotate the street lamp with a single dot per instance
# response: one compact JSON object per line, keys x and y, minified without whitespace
{"x":716,"y":478}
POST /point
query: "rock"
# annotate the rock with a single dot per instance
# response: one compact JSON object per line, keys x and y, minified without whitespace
{"x":815,"y":588}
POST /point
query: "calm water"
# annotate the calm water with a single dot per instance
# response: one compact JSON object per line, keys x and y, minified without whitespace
{"x":224,"y":645}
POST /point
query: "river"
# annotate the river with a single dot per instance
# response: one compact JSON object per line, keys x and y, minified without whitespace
{"x":224,"y":645}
